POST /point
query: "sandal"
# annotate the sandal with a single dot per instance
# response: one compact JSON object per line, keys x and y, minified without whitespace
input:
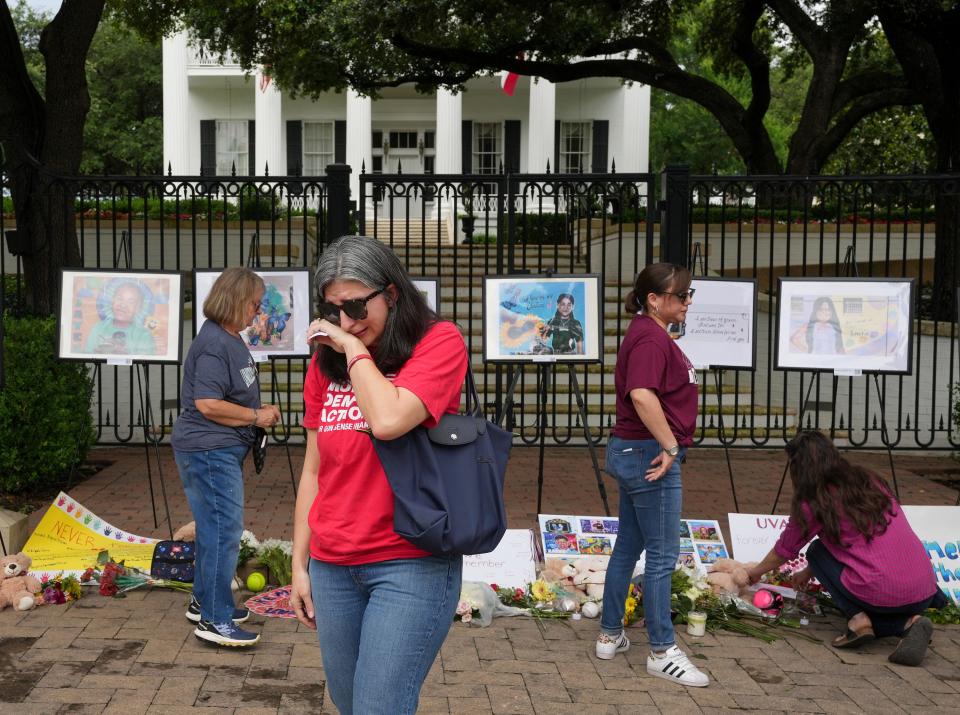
{"x":913,"y":646}
{"x":852,"y":639}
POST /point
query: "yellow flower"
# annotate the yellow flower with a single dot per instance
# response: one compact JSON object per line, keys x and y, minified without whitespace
{"x":631,"y":606}
{"x":541,"y":590}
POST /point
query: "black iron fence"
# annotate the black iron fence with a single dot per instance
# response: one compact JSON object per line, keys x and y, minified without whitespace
{"x":460,"y":228}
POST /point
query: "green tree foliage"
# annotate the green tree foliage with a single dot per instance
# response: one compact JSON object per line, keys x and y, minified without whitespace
{"x":45,"y":422}
{"x":124,"y":130}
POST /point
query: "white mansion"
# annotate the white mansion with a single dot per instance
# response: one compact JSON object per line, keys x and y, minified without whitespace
{"x":215,"y":118}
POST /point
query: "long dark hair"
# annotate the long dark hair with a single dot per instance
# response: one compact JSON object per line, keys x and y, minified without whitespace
{"x":656,"y":278}
{"x":832,"y":487}
{"x":573,"y":304}
{"x":367,"y":260}
{"x":834,"y":323}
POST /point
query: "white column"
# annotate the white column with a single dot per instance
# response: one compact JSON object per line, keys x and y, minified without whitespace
{"x":268,"y":127}
{"x":177,"y":150}
{"x":633,"y":152}
{"x":543,"y":113}
{"x":359,"y":126}
{"x":449,"y":143}
{"x":449,"y":132}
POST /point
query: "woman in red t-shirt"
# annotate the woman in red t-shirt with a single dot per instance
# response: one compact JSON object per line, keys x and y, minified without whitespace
{"x":386,"y":364}
{"x":656,"y":389}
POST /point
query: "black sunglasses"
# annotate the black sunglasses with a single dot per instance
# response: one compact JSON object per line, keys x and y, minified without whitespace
{"x":355,"y":308}
{"x":682,"y":296}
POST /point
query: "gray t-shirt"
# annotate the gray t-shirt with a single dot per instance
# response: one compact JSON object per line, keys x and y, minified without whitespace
{"x":218,"y":367}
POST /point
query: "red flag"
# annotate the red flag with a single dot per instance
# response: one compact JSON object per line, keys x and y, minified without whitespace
{"x":508,"y":82}
{"x":264,"y":82}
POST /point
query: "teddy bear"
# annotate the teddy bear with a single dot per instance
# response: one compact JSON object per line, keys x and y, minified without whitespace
{"x":557,"y":571}
{"x":17,"y":587}
{"x":590,"y":572}
{"x":728,"y":576}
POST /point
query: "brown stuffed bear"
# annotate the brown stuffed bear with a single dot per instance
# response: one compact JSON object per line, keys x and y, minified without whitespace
{"x":17,"y":587}
{"x":728,"y":576}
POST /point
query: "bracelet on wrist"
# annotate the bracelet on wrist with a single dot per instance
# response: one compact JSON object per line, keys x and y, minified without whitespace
{"x":256,"y":416}
{"x":357,"y":358}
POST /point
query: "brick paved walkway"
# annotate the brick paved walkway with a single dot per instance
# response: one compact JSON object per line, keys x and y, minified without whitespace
{"x":138,"y":655}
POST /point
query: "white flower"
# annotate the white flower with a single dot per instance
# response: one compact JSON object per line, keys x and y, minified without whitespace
{"x":249,"y":539}
{"x":921,"y":135}
{"x":269,"y":544}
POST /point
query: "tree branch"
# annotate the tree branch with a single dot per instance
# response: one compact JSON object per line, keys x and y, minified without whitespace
{"x":21,"y":106}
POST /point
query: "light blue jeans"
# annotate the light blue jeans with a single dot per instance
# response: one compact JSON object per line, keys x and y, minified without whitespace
{"x":649,"y":519}
{"x":381,"y":626}
{"x":213,"y":481}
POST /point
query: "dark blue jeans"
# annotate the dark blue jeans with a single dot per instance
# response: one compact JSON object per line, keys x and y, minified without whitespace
{"x":887,"y":620}
{"x":213,"y":481}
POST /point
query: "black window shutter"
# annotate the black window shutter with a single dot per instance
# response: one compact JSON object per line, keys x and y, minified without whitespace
{"x":340,"y":142}
{"x":511,"y":145}
{"x":208,"y":147}
{"x":601,"y":133}
{"x":466,"y":143}
{"x":556,"y":147}
{"x":294,"y":147}
{"x":251,"y":149}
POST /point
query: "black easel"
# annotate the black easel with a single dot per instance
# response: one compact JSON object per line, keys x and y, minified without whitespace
{"x":697,"y":259}
{"x":849,"y":270}
{"x":544,"y":370}
{"x":151,"y":434}
{"x":253,"y":261}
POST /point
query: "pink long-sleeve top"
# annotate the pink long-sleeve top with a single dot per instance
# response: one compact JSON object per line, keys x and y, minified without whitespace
{"x":891,"y":569}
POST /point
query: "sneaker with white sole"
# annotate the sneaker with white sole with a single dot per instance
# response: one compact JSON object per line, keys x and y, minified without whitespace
{"x":227,"y":634}
{"x":193,"y":612}
{"x":608,"y":646}
{"x":676,"y":667}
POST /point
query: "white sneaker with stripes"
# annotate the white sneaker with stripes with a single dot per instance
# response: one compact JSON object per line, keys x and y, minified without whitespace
{"x":676,"y":667}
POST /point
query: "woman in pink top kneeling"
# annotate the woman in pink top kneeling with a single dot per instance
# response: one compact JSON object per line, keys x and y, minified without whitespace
{"x":867,"y":556}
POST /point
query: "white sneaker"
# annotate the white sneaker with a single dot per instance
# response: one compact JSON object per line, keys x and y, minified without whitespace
{"x":609,"y":646}
{"x":676,"y":667}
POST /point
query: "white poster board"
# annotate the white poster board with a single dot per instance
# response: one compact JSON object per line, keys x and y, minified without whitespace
{"x":846,"y":325}
{"x":511,"y":564}
{"x":937,"y":528}
{"x":542,"y":319}
{"x":568,"y":536}
{"x":280,"y":328}
{"x":720,"y":327}
{"x":753,"y":535}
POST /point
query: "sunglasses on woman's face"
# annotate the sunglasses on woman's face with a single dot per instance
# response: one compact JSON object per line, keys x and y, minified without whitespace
{"x":355,"y":308}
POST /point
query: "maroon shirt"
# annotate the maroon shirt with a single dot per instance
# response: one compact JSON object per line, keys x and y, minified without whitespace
{"x":891,"y":569}
{"x":650,"y":358}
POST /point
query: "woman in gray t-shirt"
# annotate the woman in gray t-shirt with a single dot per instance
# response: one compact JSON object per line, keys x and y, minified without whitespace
{"x":220,"y":401}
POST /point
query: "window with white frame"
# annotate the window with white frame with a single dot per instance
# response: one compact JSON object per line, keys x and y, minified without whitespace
{"x":232,"y":146}
{"x":317,"y":147}
{"x":575,"y":147}
{"x":487,"y":147}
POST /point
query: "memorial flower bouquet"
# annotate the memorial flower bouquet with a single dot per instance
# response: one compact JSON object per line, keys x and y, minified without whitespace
{"x":689,"y":591}
{"x":59,"y":589}
{"x":115,"y":579}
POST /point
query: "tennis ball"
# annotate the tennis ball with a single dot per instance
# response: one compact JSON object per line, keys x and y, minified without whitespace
{"x":256,"y":581}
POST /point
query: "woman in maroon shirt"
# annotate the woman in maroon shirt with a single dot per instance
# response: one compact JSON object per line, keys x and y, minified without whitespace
{"x":867,"y":556}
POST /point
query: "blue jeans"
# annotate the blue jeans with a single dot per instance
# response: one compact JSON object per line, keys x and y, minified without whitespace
{"x":649,"y":519}
{"x":381,"y":626}
{"x":213,"y":481}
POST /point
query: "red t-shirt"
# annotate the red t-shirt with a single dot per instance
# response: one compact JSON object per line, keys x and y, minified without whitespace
{"x":351,"y":520}
{"x":651,"y":359}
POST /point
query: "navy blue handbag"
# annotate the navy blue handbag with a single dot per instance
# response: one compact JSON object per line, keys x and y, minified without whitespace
{"x":447,"y":482}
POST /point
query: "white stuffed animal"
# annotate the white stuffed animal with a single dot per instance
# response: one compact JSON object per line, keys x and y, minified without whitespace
{"x":590,"y":576}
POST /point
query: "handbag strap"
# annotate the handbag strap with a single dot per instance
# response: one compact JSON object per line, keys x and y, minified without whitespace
{"x":472,"y":393}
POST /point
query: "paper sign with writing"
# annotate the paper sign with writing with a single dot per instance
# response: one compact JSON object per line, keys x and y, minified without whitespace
{"x":753,"y":535}
{"x":69,"y":537}
{"x":720,"y":323}
{"x":937,"y":527}
{"x":510,"y":564}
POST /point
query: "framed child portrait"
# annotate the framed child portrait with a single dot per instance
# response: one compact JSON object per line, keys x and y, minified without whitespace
{"x":542,"y":318}
{"x":279,"y":329}
{"x":845,"y":324}
{"x":120,"y":316}
{"x":430,"y":289}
